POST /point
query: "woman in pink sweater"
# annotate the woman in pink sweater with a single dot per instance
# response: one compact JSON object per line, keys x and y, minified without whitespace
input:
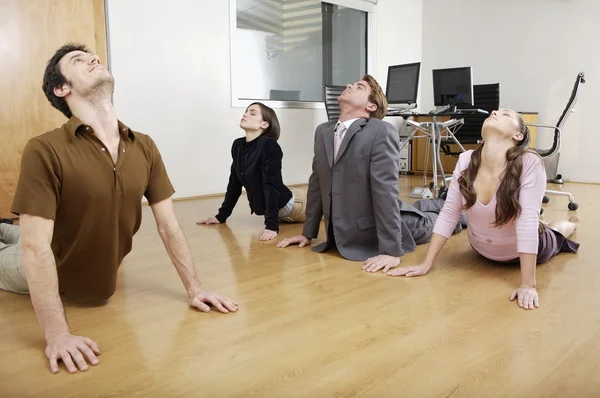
{"x":501,"y":185}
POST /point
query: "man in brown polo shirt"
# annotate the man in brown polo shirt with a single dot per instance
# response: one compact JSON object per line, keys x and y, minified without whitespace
{"x":79,"y":200}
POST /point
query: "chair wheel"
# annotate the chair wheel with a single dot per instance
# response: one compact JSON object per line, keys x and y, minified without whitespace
{"x":573,"y":206}
{"x":545,"y":199}
{"x":559,"y":179}
{"x":443,"y":193}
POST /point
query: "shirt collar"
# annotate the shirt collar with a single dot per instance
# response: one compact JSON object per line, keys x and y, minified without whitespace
{"x":347,"y":123}
{"x":76,"y":127}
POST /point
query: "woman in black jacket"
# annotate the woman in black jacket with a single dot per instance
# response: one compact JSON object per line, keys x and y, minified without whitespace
{"x":257,"y":167}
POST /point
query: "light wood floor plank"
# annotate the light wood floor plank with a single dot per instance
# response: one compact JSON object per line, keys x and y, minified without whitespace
{"x":316,"y":325}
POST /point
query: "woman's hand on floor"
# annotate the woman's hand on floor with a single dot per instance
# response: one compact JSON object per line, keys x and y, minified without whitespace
{"x":413,"y":270}
{"x":209,"y":220}
{"x":267,"y":234}
{"x":526,"y":296}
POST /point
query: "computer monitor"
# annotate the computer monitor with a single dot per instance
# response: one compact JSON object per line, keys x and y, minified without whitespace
{"x":453,"y":86}
{"x":403,"y":84}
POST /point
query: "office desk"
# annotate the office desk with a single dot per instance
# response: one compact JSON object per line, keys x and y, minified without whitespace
{"x":419,"y":149}
{"x":449,"y":162}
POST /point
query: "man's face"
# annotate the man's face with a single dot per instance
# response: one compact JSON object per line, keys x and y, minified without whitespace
{"x":84,"y":73}
{"x":357,"y":95}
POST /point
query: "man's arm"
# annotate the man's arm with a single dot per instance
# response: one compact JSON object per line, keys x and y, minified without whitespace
{"x":384,"y":171}
{"x":314,"y":207}
{"x":179,"y":252}
{"x":41,"y":275}
{"x":42,"y":279}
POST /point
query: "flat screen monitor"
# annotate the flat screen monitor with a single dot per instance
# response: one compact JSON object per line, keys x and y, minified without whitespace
{"x":403,"y":83}
{"x":453,"y":86}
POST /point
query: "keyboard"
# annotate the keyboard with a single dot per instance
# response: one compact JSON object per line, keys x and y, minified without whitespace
{"x":395,"y":112}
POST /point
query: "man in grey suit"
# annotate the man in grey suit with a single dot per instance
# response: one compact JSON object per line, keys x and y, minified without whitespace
{"x":354,"y":185}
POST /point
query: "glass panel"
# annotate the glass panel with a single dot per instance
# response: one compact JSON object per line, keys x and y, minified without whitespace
{"x":287,"y":49}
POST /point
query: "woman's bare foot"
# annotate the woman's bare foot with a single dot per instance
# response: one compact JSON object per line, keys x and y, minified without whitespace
{"x":575,"y":220}
{"x":565,"y":227}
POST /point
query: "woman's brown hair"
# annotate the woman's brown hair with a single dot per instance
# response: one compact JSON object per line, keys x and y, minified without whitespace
{"x":269,"y":116}
{"x":507,"y":195}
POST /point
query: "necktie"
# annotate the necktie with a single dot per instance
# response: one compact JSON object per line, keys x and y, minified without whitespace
{"x":337,"y":139}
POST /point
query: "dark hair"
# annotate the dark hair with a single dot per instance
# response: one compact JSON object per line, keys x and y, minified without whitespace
{"x":53,"y":77}
{"x":507,"y":195}
{"x":377,"y":97}
{"x":269,"y":116}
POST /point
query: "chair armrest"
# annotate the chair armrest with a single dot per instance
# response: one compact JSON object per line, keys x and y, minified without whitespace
{"x":545,"y":126}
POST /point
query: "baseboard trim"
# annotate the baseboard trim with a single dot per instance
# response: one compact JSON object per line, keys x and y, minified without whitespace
{"x":215,"y":195}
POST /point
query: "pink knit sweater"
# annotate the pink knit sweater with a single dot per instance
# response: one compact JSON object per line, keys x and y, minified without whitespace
{"x":504,"y":243}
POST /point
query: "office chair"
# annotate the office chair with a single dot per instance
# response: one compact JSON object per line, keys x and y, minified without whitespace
{"x":550,"y":156}
{"x":486,"y":97}
{"x":331,"y":94}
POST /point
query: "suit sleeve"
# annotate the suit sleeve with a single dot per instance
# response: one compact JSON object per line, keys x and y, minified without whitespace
{"x":234,"y":190}
{"x":384,"y":170}
{"x":314,"y":207}
{"x":271,"y":175}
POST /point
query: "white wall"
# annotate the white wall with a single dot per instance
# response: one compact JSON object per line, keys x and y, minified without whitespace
{"x":171,"y":63}
{"x":399,"y":33}
{"x":534,"y":49}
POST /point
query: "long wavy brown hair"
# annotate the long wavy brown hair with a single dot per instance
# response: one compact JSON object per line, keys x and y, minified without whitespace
{"x":507,"y":195}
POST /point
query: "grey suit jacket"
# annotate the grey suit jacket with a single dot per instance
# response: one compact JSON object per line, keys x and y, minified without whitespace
{"x":358,"y":192}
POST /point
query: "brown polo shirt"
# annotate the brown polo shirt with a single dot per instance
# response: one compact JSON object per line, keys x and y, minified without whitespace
{"x":68,"y":175}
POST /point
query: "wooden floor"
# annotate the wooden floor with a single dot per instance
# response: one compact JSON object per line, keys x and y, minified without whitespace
{"x":315,"y":325}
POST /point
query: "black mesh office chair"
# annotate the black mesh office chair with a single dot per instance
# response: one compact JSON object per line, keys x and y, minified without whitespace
{"x":331,"y":94}
{"x":486,"y":97}
{"x":550,"y":156}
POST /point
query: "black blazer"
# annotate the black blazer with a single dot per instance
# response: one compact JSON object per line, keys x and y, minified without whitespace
{"x":257,"y":167}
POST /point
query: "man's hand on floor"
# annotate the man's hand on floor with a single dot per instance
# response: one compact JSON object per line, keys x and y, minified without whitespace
{"x":73,"y":351}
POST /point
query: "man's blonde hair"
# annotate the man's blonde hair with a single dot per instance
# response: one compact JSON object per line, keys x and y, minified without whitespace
{"x":377,"y":97}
